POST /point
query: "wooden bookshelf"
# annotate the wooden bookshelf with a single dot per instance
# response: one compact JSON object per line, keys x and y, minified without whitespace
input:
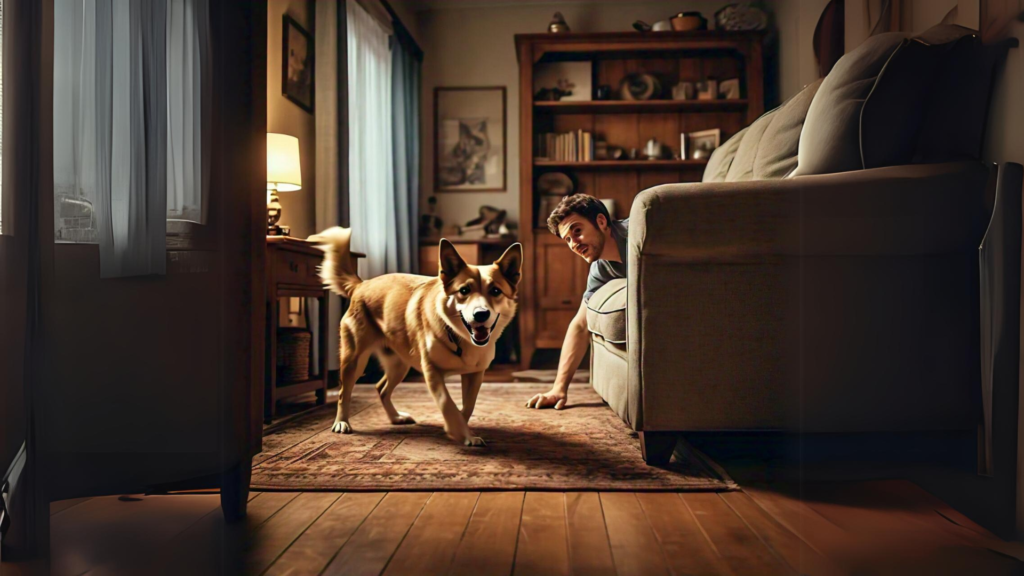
{"x":638,"y":106}
{"x":554,"y":277}
{"x":623,"y":164}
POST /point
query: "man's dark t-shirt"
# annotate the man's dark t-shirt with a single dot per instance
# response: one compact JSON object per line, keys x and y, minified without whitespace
{"x":602,"y":271}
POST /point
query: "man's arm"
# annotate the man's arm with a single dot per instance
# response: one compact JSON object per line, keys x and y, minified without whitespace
{"x":574,"y":346}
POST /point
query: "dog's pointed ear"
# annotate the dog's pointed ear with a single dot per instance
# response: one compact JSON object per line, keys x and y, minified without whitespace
{"x":450,"y":263}
{"x":511,"y":263}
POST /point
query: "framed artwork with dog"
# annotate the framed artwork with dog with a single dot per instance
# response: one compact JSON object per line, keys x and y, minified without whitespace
{"x":469,"y":139}
{"x":297,"y":64}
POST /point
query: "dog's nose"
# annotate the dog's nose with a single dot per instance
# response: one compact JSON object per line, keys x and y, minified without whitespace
{"x":481,"y":314}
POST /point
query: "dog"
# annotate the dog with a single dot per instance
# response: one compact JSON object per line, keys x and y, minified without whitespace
{"x":440,"y":325}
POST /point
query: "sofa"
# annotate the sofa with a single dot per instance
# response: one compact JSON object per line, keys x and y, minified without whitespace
{"x":823,"y":276}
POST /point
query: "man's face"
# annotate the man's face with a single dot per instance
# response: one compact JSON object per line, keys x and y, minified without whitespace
{"x":583,"y":237}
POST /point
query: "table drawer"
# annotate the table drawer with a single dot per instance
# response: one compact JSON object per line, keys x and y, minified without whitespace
{"x":296,"y":268}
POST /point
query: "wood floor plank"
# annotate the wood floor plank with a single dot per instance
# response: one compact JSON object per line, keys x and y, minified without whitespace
{"x":896,"y":537}
{"x":919,"y":505}
{"x":368,"y":551}
{"x":686,"y":548}
{"x":62,"y":505}
{"x":819,"y":533}
{"x":489,"y":543}
{"x":321,"y":541}
{"x":736,"y":543}
{"x":277,"y":534}
{"x":589,"y":549}
{"x":543,"y":546}
{"x":430,"y":545}
{"x":109,"y":535}
{"x":635,"y":548}
{"x":787,"y":545}
{"x":211,"y":546}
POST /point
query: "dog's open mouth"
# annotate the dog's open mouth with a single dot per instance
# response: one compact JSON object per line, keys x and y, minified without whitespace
{"x":479,"y":333}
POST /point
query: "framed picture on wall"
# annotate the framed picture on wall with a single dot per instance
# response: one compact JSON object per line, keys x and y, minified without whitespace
{"x":297,"y":64}
{"x":469,"y":139}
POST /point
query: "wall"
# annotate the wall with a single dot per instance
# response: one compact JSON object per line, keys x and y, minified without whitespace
{"x":285,"y":117}
{"x":475,"y":46}
{"x":796,"y":20}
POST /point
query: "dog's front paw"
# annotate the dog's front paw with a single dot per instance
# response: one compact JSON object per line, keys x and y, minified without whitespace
{"x":341,"y":427}
{"x":403,"y":418}
{"x":475,"y":442}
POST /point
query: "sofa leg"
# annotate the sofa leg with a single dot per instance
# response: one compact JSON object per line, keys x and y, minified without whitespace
{"x":657,"y":447}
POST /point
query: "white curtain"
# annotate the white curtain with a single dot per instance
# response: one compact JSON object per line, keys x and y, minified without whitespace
{"x":371,"y":153}
{"x":127,"y":125}
{"x":188,"y":95}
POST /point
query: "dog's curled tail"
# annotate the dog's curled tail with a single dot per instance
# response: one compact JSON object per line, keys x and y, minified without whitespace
{"x":337,"y":269}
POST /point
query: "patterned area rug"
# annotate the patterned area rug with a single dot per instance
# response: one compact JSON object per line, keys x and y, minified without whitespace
{"x":583,"y":447}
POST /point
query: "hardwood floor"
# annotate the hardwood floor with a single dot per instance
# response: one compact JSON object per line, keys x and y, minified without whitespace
{"x":871,"y":527}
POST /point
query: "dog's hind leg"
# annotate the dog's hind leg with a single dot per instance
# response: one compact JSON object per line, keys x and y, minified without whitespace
{"x":470,"y":388}
{"x":395,"y":371}
{"x":353,"y":362}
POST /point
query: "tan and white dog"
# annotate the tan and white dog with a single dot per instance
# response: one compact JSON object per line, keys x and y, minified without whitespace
{"x":440,"y":325}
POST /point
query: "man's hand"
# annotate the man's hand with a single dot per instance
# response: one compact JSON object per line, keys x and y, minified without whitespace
{"x":553,"y":397}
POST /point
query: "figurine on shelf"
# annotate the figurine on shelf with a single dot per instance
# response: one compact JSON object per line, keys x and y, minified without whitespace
{"x":490,"y":222}
{"x":430,"y":224}
{"x":558,"y":24}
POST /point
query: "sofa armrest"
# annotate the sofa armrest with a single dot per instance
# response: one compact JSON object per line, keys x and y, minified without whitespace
{"x":902,"y":210}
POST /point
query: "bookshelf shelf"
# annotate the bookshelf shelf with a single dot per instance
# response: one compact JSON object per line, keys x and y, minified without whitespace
{"x":623,"y":164}
{"x":639,"y":106}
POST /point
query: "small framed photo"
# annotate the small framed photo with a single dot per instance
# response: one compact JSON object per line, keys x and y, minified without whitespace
{"x":729,"y":89}
{"x":469,"y":139}
{"x":297,"y":64}
{"x":702,"y":144}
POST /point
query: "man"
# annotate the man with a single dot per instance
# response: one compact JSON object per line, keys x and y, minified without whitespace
{"x":587,"y":228}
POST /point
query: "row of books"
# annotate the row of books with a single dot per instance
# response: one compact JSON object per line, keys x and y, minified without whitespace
{"x":576,"y":146}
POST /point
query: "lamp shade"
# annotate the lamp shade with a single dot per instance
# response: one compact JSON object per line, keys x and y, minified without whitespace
{"x":284,"y":172}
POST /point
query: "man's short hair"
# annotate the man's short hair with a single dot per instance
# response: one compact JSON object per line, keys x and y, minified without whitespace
{"x":583,"y":204}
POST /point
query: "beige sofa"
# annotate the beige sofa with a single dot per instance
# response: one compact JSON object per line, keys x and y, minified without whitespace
{"x":824,"y":275}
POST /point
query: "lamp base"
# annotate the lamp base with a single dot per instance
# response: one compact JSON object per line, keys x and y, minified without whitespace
{"x":276,"y":230}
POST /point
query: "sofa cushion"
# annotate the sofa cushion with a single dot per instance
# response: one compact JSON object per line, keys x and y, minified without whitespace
{"x":830,"y":139}
{"x":721,"y":159}
{"x":742,"y":168}
{"x":777,"y":152}
{"x":606,"y":311}
{"x":767,"y":149}
{"x":896,"y":100}
{"x":955,"y":117}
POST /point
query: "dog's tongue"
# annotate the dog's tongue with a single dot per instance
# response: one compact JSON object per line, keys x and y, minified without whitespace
{"x":480,"y":333}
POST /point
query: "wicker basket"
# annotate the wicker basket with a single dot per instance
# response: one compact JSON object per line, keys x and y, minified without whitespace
{"x":293,"y":345}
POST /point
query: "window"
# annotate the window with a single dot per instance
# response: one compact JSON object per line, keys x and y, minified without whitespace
{"x":130,"y":95}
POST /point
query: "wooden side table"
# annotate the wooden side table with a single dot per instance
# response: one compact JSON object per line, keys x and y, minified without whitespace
{"x":292,"y":271}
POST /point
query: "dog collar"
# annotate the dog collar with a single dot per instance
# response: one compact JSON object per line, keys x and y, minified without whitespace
{"x":451,"y":336}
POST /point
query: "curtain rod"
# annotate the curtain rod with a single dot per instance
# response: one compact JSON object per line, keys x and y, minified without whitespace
{"x":402,"y":33}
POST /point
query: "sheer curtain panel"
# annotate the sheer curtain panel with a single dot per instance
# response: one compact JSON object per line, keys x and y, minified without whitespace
{"x":371,"y":151}
{"x":128,"y":113}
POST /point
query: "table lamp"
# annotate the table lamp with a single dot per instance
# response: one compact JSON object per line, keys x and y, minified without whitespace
{"x":284,"y":174}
